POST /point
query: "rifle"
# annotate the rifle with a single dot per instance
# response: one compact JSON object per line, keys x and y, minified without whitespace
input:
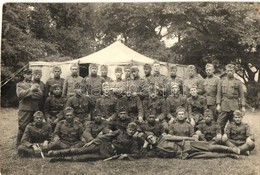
{"x":40,"y":150}
{"x":112,"y":157}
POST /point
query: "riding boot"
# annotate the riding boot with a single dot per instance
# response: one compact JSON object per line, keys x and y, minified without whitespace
{"x":221,"y":148}
{"x":59,"y":153}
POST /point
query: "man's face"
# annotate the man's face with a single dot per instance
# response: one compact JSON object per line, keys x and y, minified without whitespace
{"x":208,"y":118}
{"x":209,"y":71}
{"x":103,"y":72}
{"x":57,"y":91}
{"x":173,"y":72}
{"x":181,"y":116}
{"x":128,"y":93}
{"x":127,"y":72}
{"x":175,"y":89}
{"x":230,"y":72}
{"x":74,"y":70}
{"x":193,"y":92}
{"x":151,"y":119}
{"x":97,"y":118}
{"x":38,"y":119}
{"x":56,"y":73}
{"x":105,"y":89}
{"x":191,"y":72}
{"x":135,"y":73}
{"x":130,"y":131}
{"x":156,"y":67}
{"x":69,"y":117}
{"x":93,"y":70}
{"x":153,"y":95}
{"x":37,"y":76}
{"x":152,"y":139}
{"x":147,"y":71}
{"x":122,"y":115}
{"x":237,"y":119}
{"x":27,"y":77}
{"x":118,"y":75}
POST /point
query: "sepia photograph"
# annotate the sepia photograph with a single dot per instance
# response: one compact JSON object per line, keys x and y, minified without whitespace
{"x":130,"y":88}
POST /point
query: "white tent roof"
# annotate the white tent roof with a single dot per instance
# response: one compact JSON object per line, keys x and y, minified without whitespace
{"x":116,"y":54}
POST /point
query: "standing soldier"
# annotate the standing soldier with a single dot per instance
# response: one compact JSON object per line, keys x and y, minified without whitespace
{"x":93,"y":82}
{"x":29,"y":96}
{"x":54,"y":104}
{"x":210,"y":88}
{"x":138,"y":83}
{"x":36,"y":137}
{"x":174,"y":78}
{"x":230,"y":96}
{"x":118,"y":86}
{"x":71,"y":82}
{"x":147,"y":71}
{"x":37,"y":74}
{"x":192,"y":79}
{"x":55,"y":80}
{"x":128,"y":75}
{"x":158,"y":80}
{"x":104,"y":70}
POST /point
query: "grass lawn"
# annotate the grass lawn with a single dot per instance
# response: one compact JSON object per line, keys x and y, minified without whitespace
{"x":11,"y":163}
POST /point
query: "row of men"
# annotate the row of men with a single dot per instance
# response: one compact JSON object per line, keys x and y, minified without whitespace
{"x":124,"y":139}
{"x":157,"y":92}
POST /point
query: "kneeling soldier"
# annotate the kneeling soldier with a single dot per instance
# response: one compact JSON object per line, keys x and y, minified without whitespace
{"x":238,"y":134}
{"x":36,"y":137}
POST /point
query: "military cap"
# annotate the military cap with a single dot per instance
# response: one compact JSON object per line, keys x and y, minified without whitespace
{"x":180,"y":109}
{"x":56,"y":86}
{"x":56,"y":68}
{"x":147,"y":66}
{"x":150,"y":112}
{"x":134,"y":68}
{"x":68,"y":110}
{"x":128,"y":66}
{"x":27,"y":71}
{"x":230,"y":66}
{"x":191,"y":67}
{"x":103,"y":67}
{"x":132,"y":125}
{"x":122,"y":109}
{"x":93,"y":65}
{"x":37,"y":71}
{"x":148,"y":133}
{"x":37,"y":113}
{"x":208,"y":65}
{"x":105,"y":84}
{"x":194,"y":86}
{"x":238,"y":113}
{"x":156,"y":62}
{"x":118,"y":69}
{"x":173,"y":67}
{"x":208,"y":112}
{"x":74,"y":65}
{"x":175,"y":84}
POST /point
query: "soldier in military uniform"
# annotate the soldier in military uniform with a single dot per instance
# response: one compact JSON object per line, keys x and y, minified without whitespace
{"x":197,"y":104}
{"x":103,"y":70}
{"x":192,"y":79}
{"x":97,"y":126}
{"x":118,"y":86}
{"x":137,"y":83}
{"x":107,"y":103}
{"x":230,"y":96}
{"x":29,"y":96}
{"x":93,"y":82}
{"x":174,"y":78}
{"x":128,"y":74}
{"x":237,"y":134}
{"x":54,"y":104}
{"x":158,"y":80}
{"x":209,"y":130}
{"x":147,"y":70}
{"x":173,"y":101}
{"x":210,"y":87}
{"x":118,"y":143}
{"x":121,"y":121}
{"x":83,"y":105}
{"x":68,"y":133}
{"x":181,"y":127}
{"x":37,"y":74}
{"x":71,"y":82}
{"x":55,"y":80}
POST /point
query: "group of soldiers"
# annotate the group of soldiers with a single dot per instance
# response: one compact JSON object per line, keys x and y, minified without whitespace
{"x":95,"y":118}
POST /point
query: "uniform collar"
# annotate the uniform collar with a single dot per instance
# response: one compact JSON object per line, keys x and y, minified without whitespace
{"x":156,"y":74}
{"x":69,"y":124}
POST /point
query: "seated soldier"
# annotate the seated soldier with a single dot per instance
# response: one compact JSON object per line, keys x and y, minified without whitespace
{"x":170,"y":146}
{"x":121,"y":121}
{"x":209,"y":130}
{"x":36,"y":137}
{"x":173,"y":101}
{"x":83,"y":105}
{"x":237,"y":134}
{"x":107,"y":103}
{"x":54,"y":105}
{"x":68,"y":133}
{"x":197,"y":104}
{"x":181,"y":127}
{"x":119,"y":143}
{"x":97,"y":126}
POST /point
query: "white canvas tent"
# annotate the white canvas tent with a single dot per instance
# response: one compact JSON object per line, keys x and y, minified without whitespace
{"x":116,"y":54}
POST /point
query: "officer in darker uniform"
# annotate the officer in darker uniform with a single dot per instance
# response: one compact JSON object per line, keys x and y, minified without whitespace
{"x":55,"y":80}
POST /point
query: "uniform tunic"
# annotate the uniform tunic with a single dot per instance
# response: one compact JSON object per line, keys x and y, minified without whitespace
{"x":209,"y":130}
{"x":50,"y":82}
{"x":238,"y":134}
{"x":93,"y":129}
{"x":107,"y":105}
{"x":173,"y":102}
{"x":181,"y":129}
{"x":70,"y":83}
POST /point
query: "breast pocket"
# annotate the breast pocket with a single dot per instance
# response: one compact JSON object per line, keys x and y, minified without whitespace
{"x":224,"y":89}
{"x":235,"y":89}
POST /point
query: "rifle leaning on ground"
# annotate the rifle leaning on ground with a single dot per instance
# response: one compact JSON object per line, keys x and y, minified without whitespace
{"x":112,"y":157}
